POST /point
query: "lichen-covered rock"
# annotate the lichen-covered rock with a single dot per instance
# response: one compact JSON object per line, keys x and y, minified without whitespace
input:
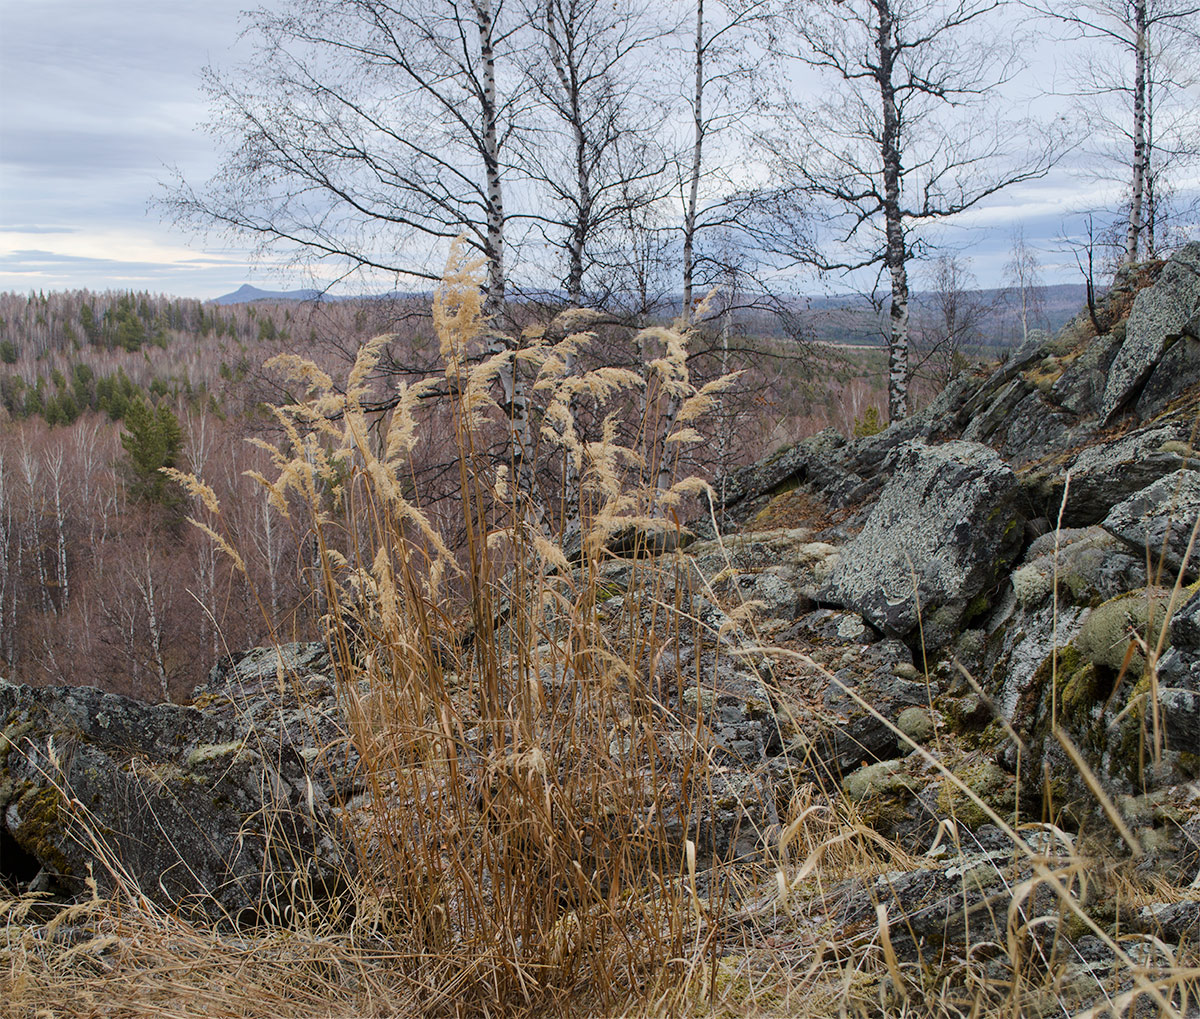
{"x":1158,"y":522}
{"x":1179,"y":679}
{"x":266,"y":668}
{"x":1020,"y":645}
{"x":747,"y":490}
{"x":1177,"y":373}
{"x":1087,"y":564}
{"x":1161,"y":315}
{"x":940,"y":538}
{"x":226,"y":807}
{"x":917,"y":724}
{"x":1034,"y":428}
{"x":774,"y":572}
{"x":1080,"y":388}
{"x":1110,"y":629}
{"x":937,"y":910}
{"x":727,"y":692}
{"x":1106,"y":473}
{"x":877,"y":678}
{"x":990,"y":424}
{"x":1091,"y":687}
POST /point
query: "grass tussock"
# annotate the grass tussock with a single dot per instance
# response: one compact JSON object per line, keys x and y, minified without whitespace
{"x":528,"y":790}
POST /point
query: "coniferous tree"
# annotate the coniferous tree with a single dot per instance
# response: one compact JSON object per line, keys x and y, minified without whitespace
{"x":152,"y":440}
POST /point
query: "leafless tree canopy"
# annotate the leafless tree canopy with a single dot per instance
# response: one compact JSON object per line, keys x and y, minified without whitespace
{"x":907,"y":133}
{"x":1133,"y":65}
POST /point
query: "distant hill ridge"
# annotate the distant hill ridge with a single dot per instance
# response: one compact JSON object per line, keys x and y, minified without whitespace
{"x":1056,"y":293}
{"x":247,"y":294}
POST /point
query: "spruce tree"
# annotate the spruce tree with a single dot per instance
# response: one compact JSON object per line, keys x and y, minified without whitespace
{"x":152,"y":440}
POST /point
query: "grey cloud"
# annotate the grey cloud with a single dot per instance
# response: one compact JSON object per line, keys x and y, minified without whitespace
{"x":27,"y":260}
{"x":30,"y":228}
{"x":76,"y":154}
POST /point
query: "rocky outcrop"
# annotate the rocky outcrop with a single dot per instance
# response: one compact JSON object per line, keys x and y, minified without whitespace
{"x":1158,"y":523}
{"x":1103,"y":474}
{"x":1179,"y":679}
{"x":1161,"y":315}
{"x":204,"y":806}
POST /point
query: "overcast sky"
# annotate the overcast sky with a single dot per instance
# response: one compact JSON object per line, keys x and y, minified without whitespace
{"x":100,"y":99}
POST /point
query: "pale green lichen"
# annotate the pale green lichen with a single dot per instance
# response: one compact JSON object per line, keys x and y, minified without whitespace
{"x":207,"y":752}
{"x":988,"y":784}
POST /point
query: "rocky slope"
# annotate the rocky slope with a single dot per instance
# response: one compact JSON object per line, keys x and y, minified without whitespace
{"x":985,"y":615}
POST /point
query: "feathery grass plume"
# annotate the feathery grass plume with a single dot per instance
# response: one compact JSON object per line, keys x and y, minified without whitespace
{"x":704,"y":399}
{"x":685,"y":488}
{"x":476,"y":399}
{"x":458,"y":305}
{"x":301,"y":369}
{"x":502,"y":811}
{"x":684,"y":436}
{"x":364,"y":363}
{"x":402,"y":428}
{"x":671,"y":368}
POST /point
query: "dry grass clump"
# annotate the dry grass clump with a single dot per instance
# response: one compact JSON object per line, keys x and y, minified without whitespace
{"x":523,"y":821}
{"x":525,"y":810}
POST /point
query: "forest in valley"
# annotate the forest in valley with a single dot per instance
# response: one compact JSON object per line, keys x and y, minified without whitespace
{"x":103,"y":579}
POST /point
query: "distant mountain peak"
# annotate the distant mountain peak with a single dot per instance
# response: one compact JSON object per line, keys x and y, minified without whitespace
{"x":247,"y":294}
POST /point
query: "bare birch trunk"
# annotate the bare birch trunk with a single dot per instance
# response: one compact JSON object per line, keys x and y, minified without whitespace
{"x":689,"y":214}
{"x":494,"y":248}
{"x":565,"y":70}
{"x":1151,"y":198}
{"x":896,"y":255}
{"x":150,"y":603}
{"x":515,"y":400}
{"x":31,"y":469}
{"x":60,"y":524}
{"x":1139,"y":132}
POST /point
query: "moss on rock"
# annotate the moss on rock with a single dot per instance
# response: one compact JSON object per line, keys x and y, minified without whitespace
{"x":988,"y":784}
{"x":1110,"y":628}
{"x":39,"y":827}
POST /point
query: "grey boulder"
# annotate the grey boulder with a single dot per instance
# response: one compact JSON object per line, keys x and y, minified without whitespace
{"x":230,"y":807}
{"x":937,"y":544}
{"x":1158,"y":522}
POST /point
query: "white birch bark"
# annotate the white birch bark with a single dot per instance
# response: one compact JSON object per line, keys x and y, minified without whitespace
{"x":490,"y":132}
{"x":31,"y":470}
{"x":145,"y":586}
{"x":1141,"y":42}
{"x":577,"y":238}
{"x":693,"y":196}
{"x":896,"y":255}
{"x":54,"y":464}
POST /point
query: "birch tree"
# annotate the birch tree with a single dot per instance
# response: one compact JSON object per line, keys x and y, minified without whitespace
{"x":909,"y":133}
{"x":1023,"y":274}
{"x":1132,"y":82}
{"x":596,"y":151}
{"x":368,"y":134}
{"x":721,"y":96}
{"x":950,"y":322}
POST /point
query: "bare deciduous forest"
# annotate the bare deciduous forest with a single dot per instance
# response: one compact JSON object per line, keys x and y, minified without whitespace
{"x":106,"y":584}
